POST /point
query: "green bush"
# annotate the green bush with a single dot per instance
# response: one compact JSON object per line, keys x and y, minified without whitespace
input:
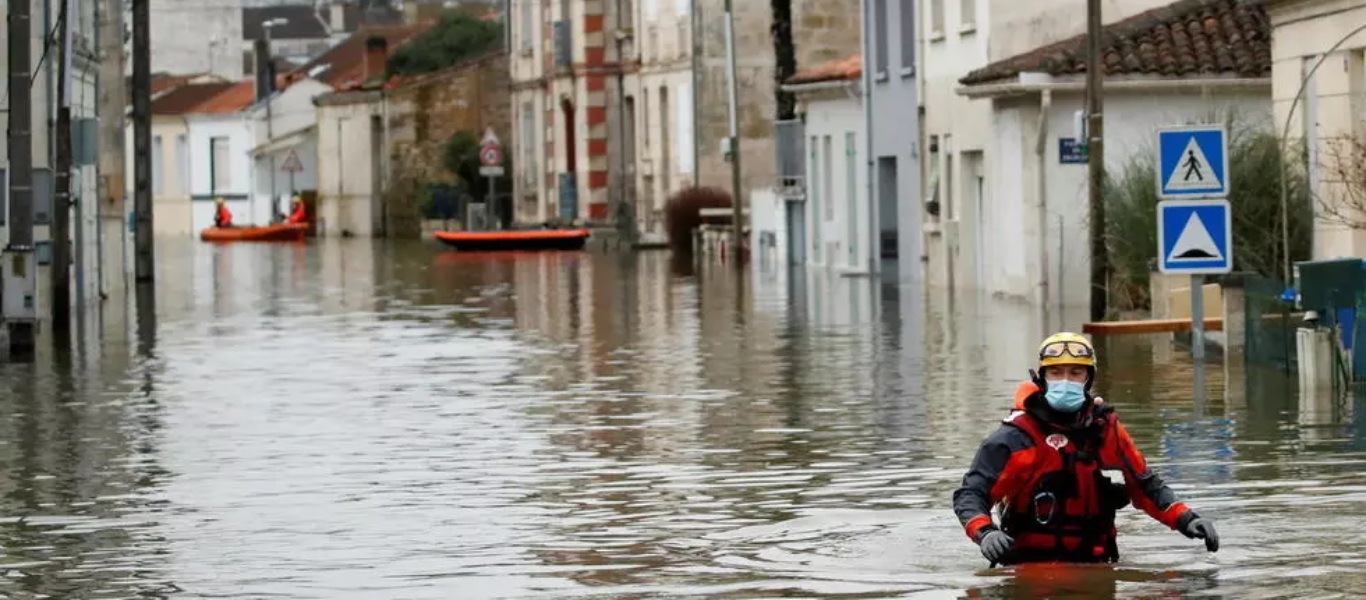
{"x":459,"y":36}
{"x":1131,"y":214}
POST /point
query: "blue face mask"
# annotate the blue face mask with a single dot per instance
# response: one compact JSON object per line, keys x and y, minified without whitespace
{"x":1065,"y":396}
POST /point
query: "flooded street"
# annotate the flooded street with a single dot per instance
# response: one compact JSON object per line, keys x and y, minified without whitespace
{"x":357,"y":420}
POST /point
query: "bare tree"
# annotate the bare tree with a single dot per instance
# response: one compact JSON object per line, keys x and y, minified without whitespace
{"x":1341,"y":195}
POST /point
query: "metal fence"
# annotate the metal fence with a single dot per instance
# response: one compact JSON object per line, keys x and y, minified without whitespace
{"x":1270,"y":326}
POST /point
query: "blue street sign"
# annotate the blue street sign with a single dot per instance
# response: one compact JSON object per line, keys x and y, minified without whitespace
{"x":1194,"y":237}
{"x":1192,"y":162}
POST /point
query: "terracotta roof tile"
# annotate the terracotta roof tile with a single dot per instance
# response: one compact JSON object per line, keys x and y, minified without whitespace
{"x":184,"y":99}
{"x":836,"y":70}
{"x":234,"y":98}
{"x":1189,"y":38}
{"x":345,"y":62}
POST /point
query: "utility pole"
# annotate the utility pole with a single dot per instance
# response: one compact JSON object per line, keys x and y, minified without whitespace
{"x":142,"y":142}
{"x":113,"y":102}
{"x":737,"y":224}
{"x":18,"y":295}
{"x":1095,"y":161}
{"x":61,"y":210}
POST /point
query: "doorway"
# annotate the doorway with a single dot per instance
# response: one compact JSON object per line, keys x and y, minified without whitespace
{"x":887,"y":207}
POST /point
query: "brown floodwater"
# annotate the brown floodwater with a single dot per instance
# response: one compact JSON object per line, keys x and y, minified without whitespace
{"x":357,"y":419}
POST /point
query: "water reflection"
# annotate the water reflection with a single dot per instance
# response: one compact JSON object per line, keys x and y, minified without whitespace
{"x":347,"y":419}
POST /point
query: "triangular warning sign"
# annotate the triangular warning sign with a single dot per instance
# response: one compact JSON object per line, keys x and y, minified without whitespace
{"x":1194,"y":243}
{"x":1193,"y":171}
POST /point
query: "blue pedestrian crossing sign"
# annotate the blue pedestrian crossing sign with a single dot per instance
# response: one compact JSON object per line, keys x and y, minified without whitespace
{"x":1194,"y":237}
{"x":1192,"y":162}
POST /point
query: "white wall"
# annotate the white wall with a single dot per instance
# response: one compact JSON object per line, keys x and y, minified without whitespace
{"x":345,"y":173}
{"x":837,"y":206}
{"x":172,"y":206}
{"x":197,"y":36}
{"x":1131,"y":120}
{"x":237,"y":190}
{"x":290,"y":111}
{"x":1018,"y":27}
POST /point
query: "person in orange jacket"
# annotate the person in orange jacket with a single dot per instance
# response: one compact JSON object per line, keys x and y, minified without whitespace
{"x":222,"y":217}
{"x":1047,"y":464}
{"x":298,"y":214}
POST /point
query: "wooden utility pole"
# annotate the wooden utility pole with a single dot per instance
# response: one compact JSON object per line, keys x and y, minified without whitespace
{"x":142,"y":143}
{"x":61,"y":209}
{"x":18,"y":306}
{"x":1095,"y":159}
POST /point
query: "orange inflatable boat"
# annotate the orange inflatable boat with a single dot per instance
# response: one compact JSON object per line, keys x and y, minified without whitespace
{"x":524,"y":239}
{"x":281,"y":232}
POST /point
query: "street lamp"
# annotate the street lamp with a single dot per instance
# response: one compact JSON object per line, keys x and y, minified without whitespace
{"x":269,"y":78}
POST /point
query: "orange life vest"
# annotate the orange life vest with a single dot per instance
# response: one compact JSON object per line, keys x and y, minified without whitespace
{"x":1065,"y":509}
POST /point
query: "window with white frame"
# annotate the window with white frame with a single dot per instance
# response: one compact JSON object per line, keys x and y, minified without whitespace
{"x":967,"y":15}
{"x":936,"y":18}
{"x":158,"y":172}
{"x":182,"y":159}
{"x":528,"y":24}
{"x":528,"y":141}
{"x":220,"y":165}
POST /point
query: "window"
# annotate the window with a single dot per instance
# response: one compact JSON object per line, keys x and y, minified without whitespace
{"x":158,"y":171}
{"x":827,"y":174}
{"x":528,"y":25}
{"x":645,"y":124}
{"x":182,"y":159}
{"x":685,"y":128}
{"x":220,"y":168}
{"x":967,"y":16}
{"x":909,"y":38}
{"x":851,"y":194}
{"x":529,"y":168}
{"x":880,"y":38}
{"x":936,"y":19}
{"x":816,"y":197}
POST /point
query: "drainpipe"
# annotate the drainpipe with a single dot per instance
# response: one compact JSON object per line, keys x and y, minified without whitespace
{"x":1041,"y":162}
{"x":874,"y":207}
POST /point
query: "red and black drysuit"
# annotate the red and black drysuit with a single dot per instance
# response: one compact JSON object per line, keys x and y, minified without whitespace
{"x":1058,"y":504}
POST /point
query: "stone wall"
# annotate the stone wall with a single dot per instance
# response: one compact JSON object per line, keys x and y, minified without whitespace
{"x":426,"y":111}
{"x":822,"y":30}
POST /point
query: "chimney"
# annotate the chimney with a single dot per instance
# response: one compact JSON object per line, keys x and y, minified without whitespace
{"x":265,"y":82}
{"x":376,"y":55}
{"x":337,"y":17}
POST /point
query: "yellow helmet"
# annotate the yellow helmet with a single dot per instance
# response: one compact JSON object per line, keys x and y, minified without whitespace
{"x":218,"y":201}
{"x":1067,"y":348}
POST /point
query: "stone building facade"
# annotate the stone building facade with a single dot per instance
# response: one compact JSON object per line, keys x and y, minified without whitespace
{"x":822,"y":30}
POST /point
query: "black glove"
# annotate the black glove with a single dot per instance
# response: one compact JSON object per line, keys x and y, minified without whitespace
{"x":1194,"y":526}
{"x":995,"y":544}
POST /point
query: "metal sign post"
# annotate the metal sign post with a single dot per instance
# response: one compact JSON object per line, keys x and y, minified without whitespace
{"x":1194,"y":218}
{"x":491,"y":166}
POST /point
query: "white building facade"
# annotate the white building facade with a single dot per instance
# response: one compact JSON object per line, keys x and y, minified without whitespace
{"x":832,"y":225}
{"x":220,"y":167}
{"x":1028,"y":235}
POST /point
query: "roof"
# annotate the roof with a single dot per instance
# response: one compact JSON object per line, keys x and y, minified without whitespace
{"x":234,"y":98}
{"x":1185,"y":39}
{"x":836,"y":70}
{"x":184,"y":99}
{"x":344,"y":64}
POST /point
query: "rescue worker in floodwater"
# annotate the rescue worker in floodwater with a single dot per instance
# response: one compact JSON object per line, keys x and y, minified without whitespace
{"x":1048,"y":464}
{"x":298,"y":214}
{"x":222,"y":217}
